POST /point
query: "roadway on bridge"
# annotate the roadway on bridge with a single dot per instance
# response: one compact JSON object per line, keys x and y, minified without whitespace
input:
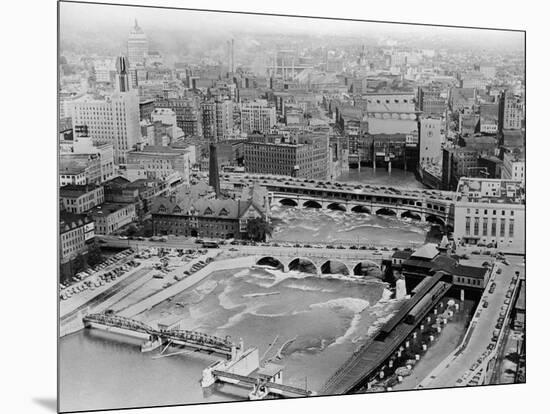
{"x":186,"y":243}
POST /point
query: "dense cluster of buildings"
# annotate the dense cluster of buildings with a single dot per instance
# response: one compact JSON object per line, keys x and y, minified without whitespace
{"x":135,"y":132}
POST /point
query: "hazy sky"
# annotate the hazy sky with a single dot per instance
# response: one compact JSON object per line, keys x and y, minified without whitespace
{"x":93,"y":17}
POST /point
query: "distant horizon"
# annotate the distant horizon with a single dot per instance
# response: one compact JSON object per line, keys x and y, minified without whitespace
{"x":75,"y":23}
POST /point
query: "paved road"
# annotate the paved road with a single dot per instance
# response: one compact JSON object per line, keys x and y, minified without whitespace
{"x":447,"y":375}
{"x":182,"y":243}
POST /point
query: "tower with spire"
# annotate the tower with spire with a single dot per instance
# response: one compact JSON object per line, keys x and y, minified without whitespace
{"x":138,"y":49}
{"x":122,"y":74}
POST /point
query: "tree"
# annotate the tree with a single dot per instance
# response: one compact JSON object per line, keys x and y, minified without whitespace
{"x":131,"y":230}
{"x":257,"y":229}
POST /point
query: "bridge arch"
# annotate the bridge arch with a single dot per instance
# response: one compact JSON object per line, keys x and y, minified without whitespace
{"x":367,"y":268}
{"x":337,"y":206}
{"x":360,"y":209}
{"x":312,"y":204}
{"x":411,"y":215}
{"x":384,"y":211}
{"x":303,"y":265}
{"x":270,"y":261}
{"x":435,"y":220}
{"x":335,"y":267}
{"x":288,"y":202}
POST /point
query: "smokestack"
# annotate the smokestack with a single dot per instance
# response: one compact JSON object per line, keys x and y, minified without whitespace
{"x":213,"y":176}
{"x":232,"y":56}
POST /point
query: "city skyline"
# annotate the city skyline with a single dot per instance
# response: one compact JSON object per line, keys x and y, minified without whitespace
{"x":254,"y":207}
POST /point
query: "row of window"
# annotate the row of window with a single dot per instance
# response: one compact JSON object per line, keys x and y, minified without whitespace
{"x":485,"y":226}
{"x":486,"y":212}
{"x":470,"y":281}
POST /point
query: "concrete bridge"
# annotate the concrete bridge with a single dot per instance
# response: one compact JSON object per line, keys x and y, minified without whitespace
{"x":319,"y":261}
{"x":417,"y":204}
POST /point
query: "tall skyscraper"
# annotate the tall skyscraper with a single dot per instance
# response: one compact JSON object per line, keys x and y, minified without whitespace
{"x":138,"y":49}
{"x":231,"y":55}
{"x":122,"y":76}
{"x":138,"y":46}
{"x":114,"y":119}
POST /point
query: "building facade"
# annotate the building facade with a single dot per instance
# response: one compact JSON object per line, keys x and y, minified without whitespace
{"x":513,"y":166}
{"x":511,"y":109}
{"x":81,"y":198}
{"x":192,"y":214}
{"x":490,"y":211}
{"x":257,"y":116}
{"x":109,"y":217}
{"x":430,"y":101}
{"x":305,"y":157}
{"x":160,"y":162}
{"x":429,"y":133}
{"x":74,"y":233}
{"x":103,"y":150}
{"x":114,"y":119}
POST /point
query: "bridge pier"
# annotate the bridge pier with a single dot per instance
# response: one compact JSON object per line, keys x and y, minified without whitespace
{"x":154,"y":342}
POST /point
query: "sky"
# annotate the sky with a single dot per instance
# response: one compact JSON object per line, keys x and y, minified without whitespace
{"x":94,"y":17}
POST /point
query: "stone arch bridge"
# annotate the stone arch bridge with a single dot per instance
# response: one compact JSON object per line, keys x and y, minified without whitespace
{"x":319,"y":261}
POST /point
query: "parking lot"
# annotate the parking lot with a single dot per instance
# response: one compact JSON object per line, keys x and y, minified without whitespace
{"x":121,"y":276}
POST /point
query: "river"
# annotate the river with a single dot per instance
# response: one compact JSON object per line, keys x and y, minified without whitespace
{"x":330,"y":226}
{"x":321,"y":321}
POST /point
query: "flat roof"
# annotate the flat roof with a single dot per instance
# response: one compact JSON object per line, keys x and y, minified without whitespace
{"x":108,"y":208}
{"x":270,"y":369}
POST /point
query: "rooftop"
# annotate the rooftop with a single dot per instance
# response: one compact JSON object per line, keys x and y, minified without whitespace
{"x":69,"y":221}
{"x":487,"y":190}
{"x":108,"y":208}
{"x":428,"y":251}
{"x":74,"y":191}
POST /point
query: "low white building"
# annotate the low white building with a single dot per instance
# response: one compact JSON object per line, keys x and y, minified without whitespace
{"x":490,"y":211}
{"x":167,"y":117}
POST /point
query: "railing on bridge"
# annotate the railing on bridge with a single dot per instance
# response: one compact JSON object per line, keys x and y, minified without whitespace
{"x":272,"y":385}
{"x":118,"y":322}
{"x":196,"y":338}
{"x":191,"y":338}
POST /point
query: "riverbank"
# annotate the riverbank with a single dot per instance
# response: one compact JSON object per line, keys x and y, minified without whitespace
{"x":186,"y":283}
{"x":140,"y":291}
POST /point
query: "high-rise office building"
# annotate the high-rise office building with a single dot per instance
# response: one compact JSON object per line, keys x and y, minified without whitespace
{"x":138,"y":50}
{"x":217,"y":119}
{"x":257,"y":116}
{"x":138,"y":46}
{"x":114,"y":119}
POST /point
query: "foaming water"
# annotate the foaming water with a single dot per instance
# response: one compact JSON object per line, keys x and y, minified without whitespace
{"x":317,"y":225}
{"x":309,"y":324}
